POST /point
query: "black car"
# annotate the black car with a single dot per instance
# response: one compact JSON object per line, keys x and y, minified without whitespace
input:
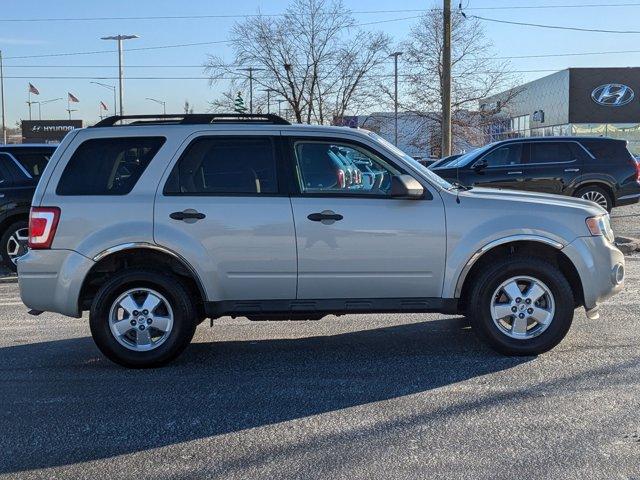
{"x":20,"y":169}
{"x":594,"y":168}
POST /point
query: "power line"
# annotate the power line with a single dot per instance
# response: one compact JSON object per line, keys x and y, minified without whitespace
{"x":555,"y":27}
{"x":253,"y":15}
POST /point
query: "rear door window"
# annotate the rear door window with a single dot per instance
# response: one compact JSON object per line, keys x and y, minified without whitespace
{"x":551,"y":152}
{"x":231,"y":165}
{"x":33,"y":161}
{"x":108,"y":166}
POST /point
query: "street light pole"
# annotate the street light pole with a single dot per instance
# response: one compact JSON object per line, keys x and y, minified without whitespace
{"x":44,"y":102}
{"x":395,"y":56}
{"x":160,"y":102}
{"x":251,"y":70}
{"x":268,"y":90}
{"x":446,"y":79}
{"x":120,"y":38}
{"x":113,"y":89}
{"x":4,"y":129}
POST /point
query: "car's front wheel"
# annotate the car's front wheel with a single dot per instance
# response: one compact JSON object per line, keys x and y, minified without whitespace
{"x":142,"y":318}
{"x":521,"y":305}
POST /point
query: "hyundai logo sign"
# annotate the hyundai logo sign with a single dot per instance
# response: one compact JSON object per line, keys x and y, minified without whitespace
{"x":612,"y":95}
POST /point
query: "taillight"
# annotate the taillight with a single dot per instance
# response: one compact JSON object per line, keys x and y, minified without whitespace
{"x":341,"y":181}
{"x":43,"y":222}
{"x":637,"y":171}
{"x":358,"y":177}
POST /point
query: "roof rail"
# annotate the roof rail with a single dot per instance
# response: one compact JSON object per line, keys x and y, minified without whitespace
{"x":193,"y":119}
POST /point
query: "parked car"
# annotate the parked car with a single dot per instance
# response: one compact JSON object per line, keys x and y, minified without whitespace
{"x":20,"y":169}
{"x":597,"y":169}
{"x":156,"y":225}
{"x":444,"y":161}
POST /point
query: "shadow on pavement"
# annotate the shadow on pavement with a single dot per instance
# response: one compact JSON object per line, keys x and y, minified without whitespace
{"x":62,"y":403}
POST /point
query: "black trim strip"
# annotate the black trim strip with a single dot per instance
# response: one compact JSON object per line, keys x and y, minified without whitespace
{"x":330,"y":306}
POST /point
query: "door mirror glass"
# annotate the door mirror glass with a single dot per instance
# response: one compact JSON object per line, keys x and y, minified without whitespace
{"x":405,"y":186}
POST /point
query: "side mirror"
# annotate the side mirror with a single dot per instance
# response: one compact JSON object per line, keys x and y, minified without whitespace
{"x":479,"y":165}
{"x":405,"y":186}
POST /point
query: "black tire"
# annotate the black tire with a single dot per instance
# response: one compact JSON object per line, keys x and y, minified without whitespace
{"x":491,"y":277}
{"x":595,"y":191}
{"x":184,"y":321}
{"x":4,"y":241}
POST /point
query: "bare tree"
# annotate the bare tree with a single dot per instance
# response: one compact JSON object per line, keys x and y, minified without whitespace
{"x":475,"y":74}
{"x":314,"y":57}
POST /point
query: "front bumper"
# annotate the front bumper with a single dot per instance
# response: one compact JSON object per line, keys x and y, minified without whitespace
{"x":601,"y":268}
{"x":51,"y":280}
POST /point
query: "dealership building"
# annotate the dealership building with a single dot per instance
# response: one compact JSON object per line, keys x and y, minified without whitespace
{"x":575,"y":101}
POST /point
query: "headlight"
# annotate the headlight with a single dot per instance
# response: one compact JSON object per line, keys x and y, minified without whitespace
{"x":600,"y":226}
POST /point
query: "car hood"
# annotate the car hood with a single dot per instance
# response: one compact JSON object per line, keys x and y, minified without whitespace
{"x":537,"y":200}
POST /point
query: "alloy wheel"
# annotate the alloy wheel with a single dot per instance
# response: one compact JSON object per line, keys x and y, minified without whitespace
{"x":597,"y":197}
{"x":522,"y":307}
{"x":18,"y":244}
{"x":141,"y":319}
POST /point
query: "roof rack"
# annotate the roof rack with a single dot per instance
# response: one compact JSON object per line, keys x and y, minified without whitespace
{"x":193,"y":119}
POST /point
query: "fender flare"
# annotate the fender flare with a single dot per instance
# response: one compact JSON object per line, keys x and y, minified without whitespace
{"x":495,"y":243}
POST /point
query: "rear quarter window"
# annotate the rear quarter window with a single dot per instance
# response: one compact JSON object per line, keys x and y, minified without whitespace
{"x":33,"y":161}
{"x":608,"y":151}
{"x":108,"y":166}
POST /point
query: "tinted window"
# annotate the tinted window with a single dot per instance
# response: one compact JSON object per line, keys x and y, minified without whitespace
{"x":325,"y":167}
{"x":108,"y":166}
{"x":3,"y":179}
{"x":219,"y":165}
{"x":33,"y":161}
{"x":504,"y":156}
{"x":608,"y":151}
{"x":551,"y":152}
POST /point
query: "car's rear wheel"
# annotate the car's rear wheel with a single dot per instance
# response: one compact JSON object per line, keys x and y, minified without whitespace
{"x":521,"y":305}
{"x":597,"y":195}
{"x":14,"y":243}
{"x":142,"y":318}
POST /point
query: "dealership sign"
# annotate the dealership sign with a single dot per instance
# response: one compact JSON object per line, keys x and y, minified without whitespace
{"x":46,"y":131}
{"x":612,"y":95}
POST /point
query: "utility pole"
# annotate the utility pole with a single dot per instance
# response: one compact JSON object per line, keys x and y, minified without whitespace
{"x":4,"y":129}
{"x":251,"y":70}
{"x":120,"y":39}
{"x":395,"y":56}
{"x":268,"y":90}
{"x":446,"y":79}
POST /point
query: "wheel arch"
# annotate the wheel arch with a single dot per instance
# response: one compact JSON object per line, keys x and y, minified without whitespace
{"x":141,"y":254}
{"x":532,"y":245}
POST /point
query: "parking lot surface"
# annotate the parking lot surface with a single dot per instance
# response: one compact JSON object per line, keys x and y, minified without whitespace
{"x":380,"y":396}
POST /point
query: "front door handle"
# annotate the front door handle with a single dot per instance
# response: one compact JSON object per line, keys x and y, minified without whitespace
{"x":514,"y":173}
{"x":326,"y":217}
{"x":189,"y":215}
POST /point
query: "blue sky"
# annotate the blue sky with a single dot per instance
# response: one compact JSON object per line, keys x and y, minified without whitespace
{"x":21,"y":39}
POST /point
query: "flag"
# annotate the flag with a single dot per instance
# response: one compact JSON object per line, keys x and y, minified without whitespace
{"x":103,"y":106}
{"x":33,"y":90}
{"x":72,"y":98}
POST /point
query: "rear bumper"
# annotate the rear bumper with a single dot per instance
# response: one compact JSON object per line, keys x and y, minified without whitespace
{"x":600,"y":266}
{"x":51,"y":280}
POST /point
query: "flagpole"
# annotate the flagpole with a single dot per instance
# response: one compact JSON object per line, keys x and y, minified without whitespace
{"x":68,"y":106}
{"x":29,"y":102}
{"x":4,"y":129}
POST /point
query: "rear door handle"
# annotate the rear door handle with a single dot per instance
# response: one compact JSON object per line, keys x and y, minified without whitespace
{"x":571,"y":169}
{"x":514,"y":173}
{"x":326,"y":216}
{"x":188,"y":214}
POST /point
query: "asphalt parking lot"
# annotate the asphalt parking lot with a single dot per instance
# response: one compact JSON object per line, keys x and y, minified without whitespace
{"x":381,"y":396}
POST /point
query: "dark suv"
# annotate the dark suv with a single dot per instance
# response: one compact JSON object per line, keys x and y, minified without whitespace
{"x":598,"y":169}
{"x":20,"y":169}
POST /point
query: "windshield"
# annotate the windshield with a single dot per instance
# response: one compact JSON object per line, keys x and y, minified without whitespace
{"x":463,"y":160}
{"x":412,"y":161}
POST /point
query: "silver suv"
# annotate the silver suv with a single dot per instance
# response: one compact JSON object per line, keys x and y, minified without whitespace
{"x":155,"y":224}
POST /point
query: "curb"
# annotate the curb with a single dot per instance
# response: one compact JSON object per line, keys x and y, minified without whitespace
{"x":12,"y":279}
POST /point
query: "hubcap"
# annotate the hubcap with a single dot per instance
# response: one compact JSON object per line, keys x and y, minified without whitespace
{"x":596,"y":197}
{"x":522,"y":307}
{"x":141,"y":319}
{"x":17,"y":245}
